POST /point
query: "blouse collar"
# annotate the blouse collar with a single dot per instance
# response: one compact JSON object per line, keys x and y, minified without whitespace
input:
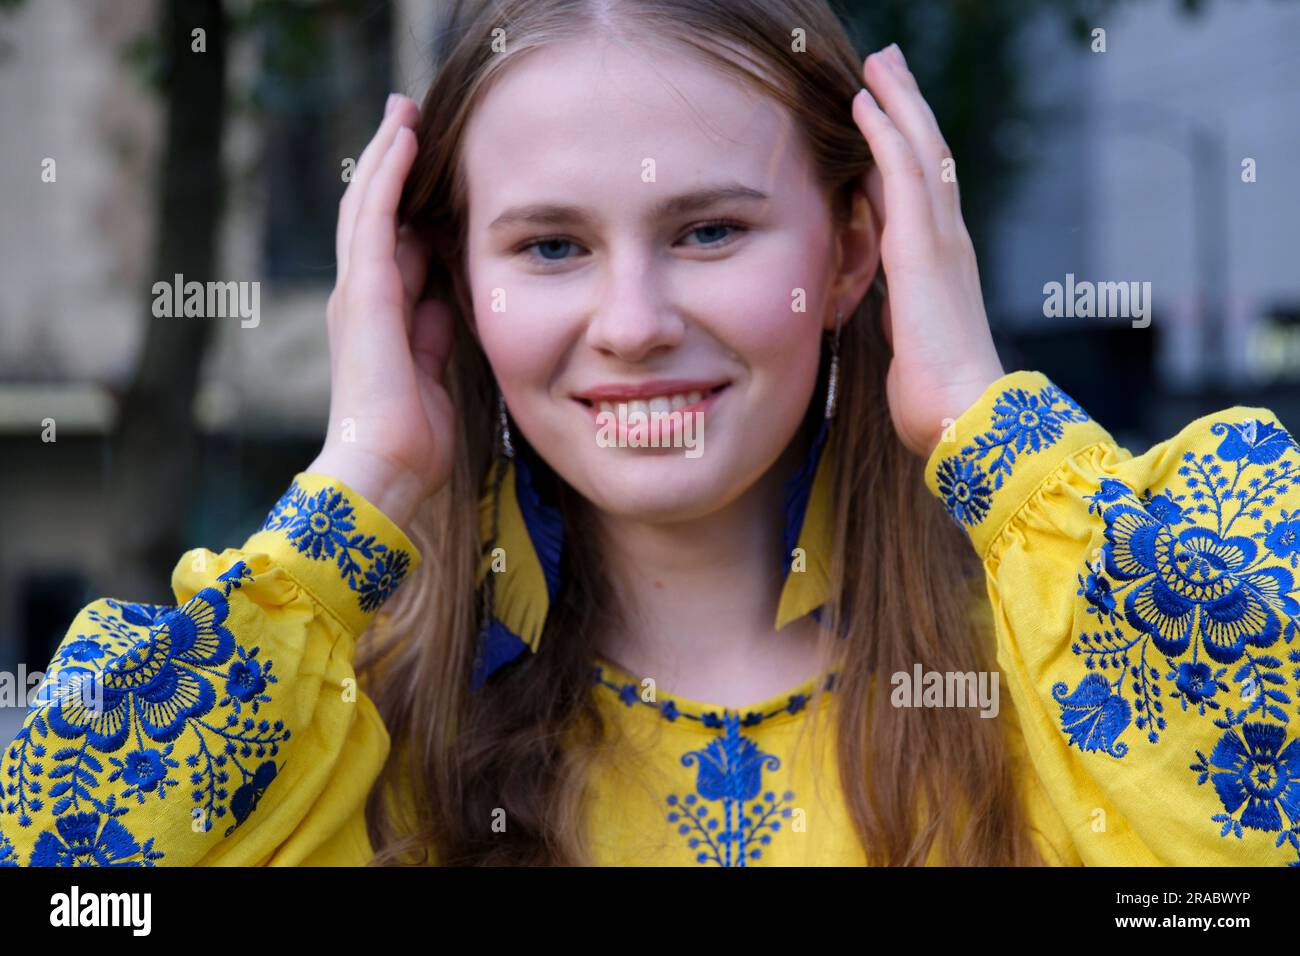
{"x":674,"y":707}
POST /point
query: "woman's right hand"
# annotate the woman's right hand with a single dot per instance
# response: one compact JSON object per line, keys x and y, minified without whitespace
{"x":391,"y":426}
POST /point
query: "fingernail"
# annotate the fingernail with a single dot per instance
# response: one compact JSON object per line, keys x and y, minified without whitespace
{"x":392,"y":101}
{"x":865,"y":95}
{"x":898,"y":53}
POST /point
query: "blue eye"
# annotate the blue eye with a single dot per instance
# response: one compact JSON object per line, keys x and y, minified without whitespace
{"x":711,"y":227}
{"x":714,"y":234}
{"x":728,"y":227}
{"x":542,"y":244}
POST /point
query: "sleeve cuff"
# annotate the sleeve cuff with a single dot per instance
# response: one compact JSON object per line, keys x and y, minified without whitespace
{"x":338,"y":545}
{"x":996,"y":454}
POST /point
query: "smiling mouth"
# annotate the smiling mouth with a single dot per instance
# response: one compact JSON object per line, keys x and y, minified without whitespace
{"x":672,"y":402}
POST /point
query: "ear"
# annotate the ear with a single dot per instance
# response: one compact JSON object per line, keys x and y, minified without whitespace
{"x":857,"y":256}
{"x":461,"y":292}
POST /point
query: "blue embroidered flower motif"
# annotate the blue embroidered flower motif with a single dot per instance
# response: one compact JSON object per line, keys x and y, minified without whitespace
{"x":1027,"y":421}
{"x":160,"y":684}
{"x":382,"y":578}
{"x":1197,"y":683}
{"x":1023,"y":422}
{"x":81,"y":651}
{"x":147,"y":677}
{"x":245,"y":680}
{"x":8,"y":855}
{"x":1093,"y":715}
{"x":321,"y":526}
{"x":1192,"y":588}
{"x":965,"y":490}
{"x":140,"y":615}
{"x":145,"y":771}
{"x":1255,"y":441}
{"x":155,"y":689}
{"x":82,"y":841}
{"x":1195,"y":584}
{"x":68,"y":682}
{"x":1257,"y":773}
{"x":1282,"y":538}
{"x":1096,"y":589}
{"x":730,"y":772}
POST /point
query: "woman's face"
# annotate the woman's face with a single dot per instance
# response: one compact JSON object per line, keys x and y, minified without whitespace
{"x":596,"y":260}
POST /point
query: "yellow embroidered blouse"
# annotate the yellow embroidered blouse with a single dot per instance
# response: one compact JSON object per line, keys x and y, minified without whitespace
{"x":1145,"y":611}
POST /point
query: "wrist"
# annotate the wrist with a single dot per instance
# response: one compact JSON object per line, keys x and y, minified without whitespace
{"x":961,"y":396}
{"x":393,"y":492}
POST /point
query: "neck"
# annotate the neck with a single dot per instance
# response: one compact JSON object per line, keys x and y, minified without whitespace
{"x":699,"y":598}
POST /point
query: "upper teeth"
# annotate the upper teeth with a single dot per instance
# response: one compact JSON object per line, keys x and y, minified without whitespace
{"x":660,"y":403}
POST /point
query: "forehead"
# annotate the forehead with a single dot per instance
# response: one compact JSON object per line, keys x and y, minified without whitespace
{"x":583,"y":117}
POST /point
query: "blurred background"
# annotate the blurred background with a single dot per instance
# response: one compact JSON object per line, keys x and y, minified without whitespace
{"x":1151,"y":141}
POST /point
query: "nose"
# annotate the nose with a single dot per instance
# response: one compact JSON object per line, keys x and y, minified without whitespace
{"x":633,"y":318}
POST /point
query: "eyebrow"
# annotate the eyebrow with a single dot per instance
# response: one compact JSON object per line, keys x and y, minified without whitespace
{"x":555,"y":214}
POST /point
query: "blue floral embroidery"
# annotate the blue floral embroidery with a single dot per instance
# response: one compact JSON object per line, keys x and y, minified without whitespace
{"x":1023,"y":422}
{"x":1282,"y":538}
{"x":730,"y":772}
{"x":965,"y":489}
{"x":158,"y":684}
{"x":84,"y":839}
{"x":321,"y":526}
{"x":116,"y":701}
{"x":1201,"y":605}
{"x":1257,"y":773}
{"x":8,"y":855}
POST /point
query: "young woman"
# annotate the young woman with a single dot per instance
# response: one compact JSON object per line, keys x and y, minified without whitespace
{"x":788,"y":648}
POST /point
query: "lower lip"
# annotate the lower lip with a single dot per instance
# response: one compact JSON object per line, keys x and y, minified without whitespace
{"x":667,"y":425}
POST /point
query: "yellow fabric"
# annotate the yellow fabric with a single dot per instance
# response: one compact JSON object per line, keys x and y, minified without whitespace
{"x":805,"y":588}
{"x":186,"y":724}
{"x":521,"y":599}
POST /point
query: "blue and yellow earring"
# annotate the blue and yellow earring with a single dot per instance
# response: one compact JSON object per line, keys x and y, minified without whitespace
{"x":522,"y":530}
{"x":805,"y":562}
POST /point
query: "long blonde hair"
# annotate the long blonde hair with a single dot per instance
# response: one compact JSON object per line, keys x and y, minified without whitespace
{"x":527,"y":742}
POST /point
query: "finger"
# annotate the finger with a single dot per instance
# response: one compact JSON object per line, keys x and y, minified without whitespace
{"x":900,"y":95}
{"x":904,"y":198}
{"x":873,"y":184}
{"x":401,"y":112}
{"x":374,"y":239}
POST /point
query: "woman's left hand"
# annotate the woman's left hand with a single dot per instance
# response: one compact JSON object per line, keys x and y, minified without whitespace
{"x":934,"y":315}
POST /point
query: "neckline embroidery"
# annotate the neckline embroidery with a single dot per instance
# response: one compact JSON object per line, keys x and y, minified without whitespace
{"x":674,"y":707}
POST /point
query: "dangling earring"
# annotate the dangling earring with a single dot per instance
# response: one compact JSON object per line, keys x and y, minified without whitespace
{"x":519,"y":570}
{"x":808,"y":513}
{"x":503,"y":425}
{"x":832,"y":385}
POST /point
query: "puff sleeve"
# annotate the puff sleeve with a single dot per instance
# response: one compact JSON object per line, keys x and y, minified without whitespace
{"x":1146,"y":616}
{"x":226,"y":729}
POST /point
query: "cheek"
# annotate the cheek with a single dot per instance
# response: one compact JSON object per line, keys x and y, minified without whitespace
{"x":522,"y":333}
{"x":774,"y":315}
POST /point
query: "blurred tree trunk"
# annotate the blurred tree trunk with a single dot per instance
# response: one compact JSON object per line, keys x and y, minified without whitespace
{"x":154,"y":449}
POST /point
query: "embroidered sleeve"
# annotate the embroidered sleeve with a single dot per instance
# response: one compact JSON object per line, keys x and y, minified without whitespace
{"x":1146,"y":614}
{"x":226,"y":729}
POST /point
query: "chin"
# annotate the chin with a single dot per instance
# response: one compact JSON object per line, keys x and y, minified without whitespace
{"x":662,"y":486}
